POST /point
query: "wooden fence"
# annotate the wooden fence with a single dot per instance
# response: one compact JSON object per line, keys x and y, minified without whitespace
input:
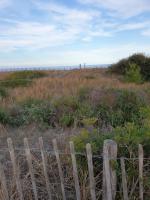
{"x":109,"y":173}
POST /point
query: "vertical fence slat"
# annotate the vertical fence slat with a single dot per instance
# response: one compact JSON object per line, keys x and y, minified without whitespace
{"x":75,"y":171}
{"x":141,"y":155}
{"x":109,"y":172}
{"x":91,"y":173}
{"x":113,"y":163}
{"x":59,"y":168}
{"x":29,"y":160}
{"x":3,"y":182}
{"x":44,"y":163}
{"x":108,"y":192}
{"x":124,"y":180}
{"x":16,"y":170}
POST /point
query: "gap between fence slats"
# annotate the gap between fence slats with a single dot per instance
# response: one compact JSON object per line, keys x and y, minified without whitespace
{"x":141,"y":155}
{"x":59,"y":168}
{"x":16,"y":170}
{"x":3,"y":182}
{"x":75,"y":171}
{"x":124,"y":180}
{"x":44,"y":163}
{"x":31,"y":171}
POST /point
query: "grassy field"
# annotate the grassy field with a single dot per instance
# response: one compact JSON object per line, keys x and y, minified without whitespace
{"x":65,"y":83}
{"x":34,"y":103}
{"x":86,"y":106}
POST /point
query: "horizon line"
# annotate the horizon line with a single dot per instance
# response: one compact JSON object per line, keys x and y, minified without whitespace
{"x":48,"y":67}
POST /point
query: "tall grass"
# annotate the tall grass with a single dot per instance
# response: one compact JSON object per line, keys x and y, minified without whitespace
{"x":66,"y":84}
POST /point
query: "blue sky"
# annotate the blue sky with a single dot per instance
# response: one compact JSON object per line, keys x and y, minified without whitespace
{"x":69,"y":32}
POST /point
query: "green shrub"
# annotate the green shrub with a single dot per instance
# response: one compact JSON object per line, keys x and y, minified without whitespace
{"x":17,"y":116}
{"x":12,"y":83}
{"x":83,"y":94}
{"x":94,"y":138}
{"x":21,"y":78}
{"x":4,"y":116}
{"x":3,"y":93}
{"x":133,"y":74}
{"x":84,"y":110}
{"x":38,"y":111}
{"x":66,"y":104}
{"x":126,"y":108}
{"x":30,"y":111}
{"x":66,"y":120}
{"x":26,"y":75}
{"x":139,"y":59}
{"x":129,"y":103}
{"x":127,"y":137}
{"x":89,"y":121}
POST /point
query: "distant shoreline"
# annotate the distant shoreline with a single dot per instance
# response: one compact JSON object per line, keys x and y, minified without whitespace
{"x":23,"y":68}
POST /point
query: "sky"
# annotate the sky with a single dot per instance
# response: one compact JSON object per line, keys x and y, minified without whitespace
{"x":70,"y":32}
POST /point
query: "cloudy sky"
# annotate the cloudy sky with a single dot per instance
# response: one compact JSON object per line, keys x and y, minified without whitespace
{"x":69,"y":32}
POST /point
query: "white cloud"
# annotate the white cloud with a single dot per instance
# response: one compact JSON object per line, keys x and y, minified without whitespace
{"x":88,"y":22}
{"x":146,"y":32}
{"x":108,"y":54}
{"x":133,"y":26}
{"x":123,"y":8}
{"x":103,"y":55}
{"x":34,"y":36}
{"x":65,"y":26}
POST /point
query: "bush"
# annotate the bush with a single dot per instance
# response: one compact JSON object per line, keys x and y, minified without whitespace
{"x":31,"y":111}
{"x":26,"y":75}
{"x":126,"y":108}
{"x":133,"y":74}
{"x":139,"y":59}
{"x":127,"y":137}
{"x":4,"y":116}
{"x":83,"y":94}
{"x":21,"y":79}
{"x":66,"y":120}
{"x":12,"y":83}
{"x":129,"y":103}
{"x":3,"y":93}
{"x":94,"y":138}
{"x":37,"y":111}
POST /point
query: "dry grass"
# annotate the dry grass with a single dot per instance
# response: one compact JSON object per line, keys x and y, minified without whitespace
{"x":57,"y":84}
{"x":64,"y":83}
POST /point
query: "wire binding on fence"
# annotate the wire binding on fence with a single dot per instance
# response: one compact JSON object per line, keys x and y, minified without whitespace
{"x":109,"y":173}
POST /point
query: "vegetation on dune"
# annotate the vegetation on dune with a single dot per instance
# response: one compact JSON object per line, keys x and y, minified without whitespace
{"x":100,"y":103}
{"x":140,"y":60}
{"x":3,"y":93}
{"x":21,"y":78}
{"x":133,"y":74}
{"x":93,"y":104}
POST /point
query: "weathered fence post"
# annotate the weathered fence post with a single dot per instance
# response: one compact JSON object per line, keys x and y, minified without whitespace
{"x":31,"y":171}
{"x":59,"y":168}
{"x":91,"y":173}
{"x":44,"y":163}
{"x":141,"y":155}
{"x":109,"y":171}
{"x":124,"y":180}
{"x":16,"y":170}
{"x":75,"y":171}
{"x":3,"y":182}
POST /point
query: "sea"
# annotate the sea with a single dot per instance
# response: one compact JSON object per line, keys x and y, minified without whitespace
{"x":36,"y":67}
